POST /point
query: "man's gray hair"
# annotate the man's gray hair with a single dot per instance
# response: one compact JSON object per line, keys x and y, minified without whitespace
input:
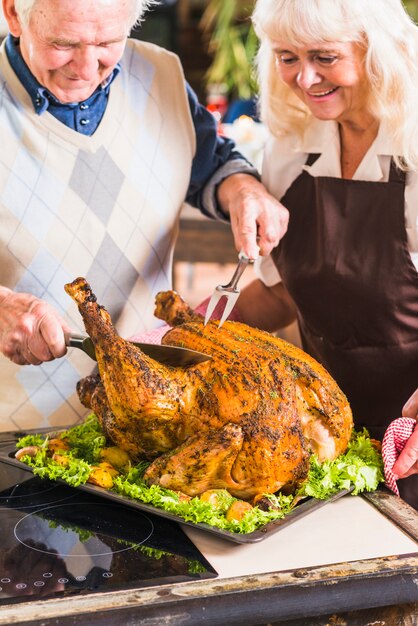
{"x":24,"y":8}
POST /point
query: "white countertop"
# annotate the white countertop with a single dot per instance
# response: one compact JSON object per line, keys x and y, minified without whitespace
{"x":349,"y":529}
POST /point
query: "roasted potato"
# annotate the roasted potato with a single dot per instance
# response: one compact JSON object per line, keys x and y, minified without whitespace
{"x":237,"y":510}
{"x":216,"y":497}
{"x":60,"y":459}
{"x":117,"y":457}
{"x":109,"y":468}
{"x":57,"y":445}
{"x":100,"y":477}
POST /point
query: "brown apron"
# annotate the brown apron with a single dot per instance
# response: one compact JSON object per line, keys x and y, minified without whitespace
{"x":346,"y":264}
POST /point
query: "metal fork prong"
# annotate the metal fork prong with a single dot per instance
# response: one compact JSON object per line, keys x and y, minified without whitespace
{"x":230,"y":291}
{"x":231,"y":299}
{"x":216,"y":296}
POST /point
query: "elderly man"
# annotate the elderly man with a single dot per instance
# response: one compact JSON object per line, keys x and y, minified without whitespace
{"x":102,"y":140}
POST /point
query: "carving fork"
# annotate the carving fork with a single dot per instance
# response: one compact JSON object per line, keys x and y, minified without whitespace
{"x":229,"y":291}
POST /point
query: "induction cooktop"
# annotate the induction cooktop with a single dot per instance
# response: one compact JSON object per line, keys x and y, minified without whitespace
{"x":56,"y":541}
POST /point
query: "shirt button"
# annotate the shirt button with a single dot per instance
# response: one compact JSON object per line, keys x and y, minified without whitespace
{"x":83,"y":122}
{"x":83,"y":107}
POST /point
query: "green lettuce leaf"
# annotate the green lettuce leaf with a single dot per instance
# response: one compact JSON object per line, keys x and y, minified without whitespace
{"x":359,"y":469}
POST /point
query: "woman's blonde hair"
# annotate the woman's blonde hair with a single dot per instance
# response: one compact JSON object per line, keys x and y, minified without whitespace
{"x":390,"y":42}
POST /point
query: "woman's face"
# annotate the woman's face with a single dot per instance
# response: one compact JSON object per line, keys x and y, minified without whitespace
{"x":329,"y":78}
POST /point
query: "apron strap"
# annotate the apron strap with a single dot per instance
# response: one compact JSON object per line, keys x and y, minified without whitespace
{"x":312,"y":158}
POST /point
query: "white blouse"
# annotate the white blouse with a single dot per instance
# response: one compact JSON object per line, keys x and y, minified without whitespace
{"x":285,"y":159}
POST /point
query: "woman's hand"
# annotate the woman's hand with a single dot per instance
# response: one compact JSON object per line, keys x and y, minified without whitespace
{"x":407,"y":462}
{"x":31,"y":331}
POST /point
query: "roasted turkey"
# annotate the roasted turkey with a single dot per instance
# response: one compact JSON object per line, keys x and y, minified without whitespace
{"x":246,"y":421}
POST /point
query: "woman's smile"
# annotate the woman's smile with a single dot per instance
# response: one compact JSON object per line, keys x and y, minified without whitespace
{"x":321,"y":95}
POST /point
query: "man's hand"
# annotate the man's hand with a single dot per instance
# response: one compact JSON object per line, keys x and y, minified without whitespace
{"x":258,"y":220}
{"x":407,"y":462}
{"x":31,"y":331}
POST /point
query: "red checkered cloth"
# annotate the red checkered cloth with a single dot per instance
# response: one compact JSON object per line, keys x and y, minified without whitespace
{"x":156,"y":334}
{"x":234,"y":316}
{"x":394,"y":440}
{"x":151,"y":336}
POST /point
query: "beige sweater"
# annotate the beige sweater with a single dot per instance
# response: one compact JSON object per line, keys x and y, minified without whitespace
{"x":104,"y":206}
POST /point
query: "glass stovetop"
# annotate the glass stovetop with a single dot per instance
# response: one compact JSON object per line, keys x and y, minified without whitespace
{"x":56,"y":541}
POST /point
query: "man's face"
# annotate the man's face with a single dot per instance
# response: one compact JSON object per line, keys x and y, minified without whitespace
{"x":72,"y":46}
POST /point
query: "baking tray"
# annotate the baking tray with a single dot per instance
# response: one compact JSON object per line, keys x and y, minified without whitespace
{"x":303,"y":508}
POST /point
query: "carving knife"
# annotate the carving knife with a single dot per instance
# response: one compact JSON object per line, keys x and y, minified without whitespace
{"x":167,"y":355}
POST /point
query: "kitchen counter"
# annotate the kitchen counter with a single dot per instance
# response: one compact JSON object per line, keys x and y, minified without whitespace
{"x":355,"y":553}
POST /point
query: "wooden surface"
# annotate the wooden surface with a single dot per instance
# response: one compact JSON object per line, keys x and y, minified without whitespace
{"x":203,"y":240}
{"x":304,"y":596}
{"x":405,"y":615}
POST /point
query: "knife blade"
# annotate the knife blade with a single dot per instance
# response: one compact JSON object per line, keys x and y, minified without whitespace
{"x":167,"y":355}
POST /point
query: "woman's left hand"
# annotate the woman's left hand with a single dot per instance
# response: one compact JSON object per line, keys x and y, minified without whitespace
{"x":407,"y":462}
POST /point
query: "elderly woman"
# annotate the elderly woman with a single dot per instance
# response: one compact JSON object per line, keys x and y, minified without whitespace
{"x":339,"y":94}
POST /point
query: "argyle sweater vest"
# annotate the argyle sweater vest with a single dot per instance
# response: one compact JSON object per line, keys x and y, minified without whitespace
{"x":104,"y":206}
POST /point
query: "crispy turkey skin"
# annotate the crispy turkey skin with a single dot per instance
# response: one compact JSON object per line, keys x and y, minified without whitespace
{"x":246,"y":421}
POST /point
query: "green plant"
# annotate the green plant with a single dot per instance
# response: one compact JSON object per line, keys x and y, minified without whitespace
{"x":412,"y":7}
{"x":233,"y":44}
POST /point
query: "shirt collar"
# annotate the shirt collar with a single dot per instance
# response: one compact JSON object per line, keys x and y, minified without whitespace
{"x":40,"y":96}
{"x":322,"y":137}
